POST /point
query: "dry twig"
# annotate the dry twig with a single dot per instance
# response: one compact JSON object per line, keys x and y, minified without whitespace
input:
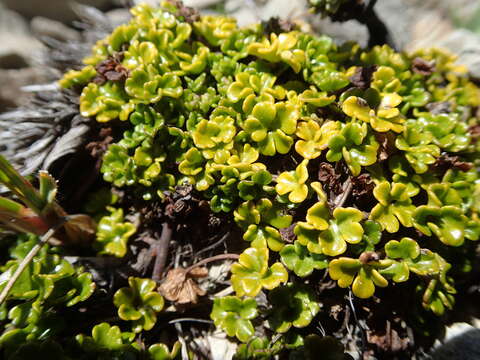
{"x":27,"y":259}
{"x":161,"y":250}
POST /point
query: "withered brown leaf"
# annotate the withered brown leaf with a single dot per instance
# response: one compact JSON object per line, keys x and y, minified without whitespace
{"x":110,"y":69}
{"x":390,"y":341}
{"x":277,"y":25}
{"x":387,"y":145}
{"x":329,"y":177}
{"x":362,"y":77}
{"x":439,"y":107}
{"x":422,"y":66}
{"x":180,"y":287}
{"x":474,"y":130}
{"x":362,"y":185}
{"x":287,"y":233}
{"x":447,"y":161}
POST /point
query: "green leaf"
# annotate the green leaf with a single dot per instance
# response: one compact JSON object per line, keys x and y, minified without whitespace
{"x":447,"y":223}
{"x":292,"y":305}
{"x":343,"y":228}
{"x":107,"y":337}
{"x":233,"y":315}
{"x":355,"y":145}
{"x":293,"y":183}
{"x":113,"y":233}
{"x":404,"y":249}
{"x":362,"y":276}
{"x":161,"y":351}
{"x":271,"y":126}
{"x":139,"y":303}
{"x":297,"y":258}
{"x":394,"y":206}
{"x":252,"y":272}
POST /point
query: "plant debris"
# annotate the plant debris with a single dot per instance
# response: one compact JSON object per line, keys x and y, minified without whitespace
{"x":180,"y":286}
{"x":422,"y":66}
{"x":362,"y":78}
{"x":447,"y":161}
{"x":110,"y":69}
{"x":277,"y":25}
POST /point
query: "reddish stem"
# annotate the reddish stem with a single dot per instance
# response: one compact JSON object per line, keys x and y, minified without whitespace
{"x":213,"y":258}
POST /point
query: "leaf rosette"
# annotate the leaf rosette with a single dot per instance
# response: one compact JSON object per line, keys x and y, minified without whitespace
{"x":252,"y":272}
{"x":139,"y":303}
{"x":234,"y":315}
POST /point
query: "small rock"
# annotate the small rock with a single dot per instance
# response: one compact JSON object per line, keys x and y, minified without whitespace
{"x":60,"y":10}
{"x":285,"y":9}
{"x":9,"y":59}
{"x":466,"y":45}
{"x":463,"y":346}
{"x":11,"y":94}
{"x":17,"y":50}
{"x":42,"y":26}
{"x":17,"y":44}
{"x":220,"y":346}
{"x":118,"y":16}
{"x":200,"y":4}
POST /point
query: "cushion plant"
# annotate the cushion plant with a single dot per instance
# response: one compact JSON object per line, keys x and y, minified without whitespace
{"x":332,"y":162}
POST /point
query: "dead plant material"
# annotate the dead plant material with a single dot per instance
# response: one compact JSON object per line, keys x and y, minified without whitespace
{"x":341,"y":199}
{"x":287,"y":234}
{"x":389,"y":341}
{"x":363,"y":185}
{"x":110,"y":69}
{"x":387,"y":145}
{"x":447,"y":161}
{"x":180,"y":285}
{"x":362,"y":78}
{"x":423,"y":67}
{"x":474,"y":131}
{"x":99,"y":147}
{"x":277,"y":25}
{"x":329,"y":178}
{"x":189,"y":14}
{"x":440,"y":107}
{"x":161,"y":251}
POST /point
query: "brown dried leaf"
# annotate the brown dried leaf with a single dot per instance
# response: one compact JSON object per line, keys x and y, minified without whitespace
{"x":179,"y":285}
{"x":446,"y":161}
{"x":329,"y":178}
{"x":110,"y":69}
{"x":474,"y":130}
{"x":422,"y":66}
{"x":287,"y":234}
{"x":362,"y":77}
{"x":369,"y":256}
{"x":362,"y":185}
{"x":198,"y":272}
{"x":440,"y":107}
{"x":189,"y":14}
{"x":277,"y":25}
{"x":99,"y":147}
{"x":80,"y":229}
{"x":390,"y":341}
{"x":387,"y":145}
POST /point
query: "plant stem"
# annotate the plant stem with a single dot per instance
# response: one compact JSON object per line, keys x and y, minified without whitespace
{"x":213,"y":258}
{"x":377,"y":30}
{"x":363,"y":12}
{"x":190,"y":319}
{"x":346,"y":193}
{"x":27,"y":259}
{"x":161,"y":249}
